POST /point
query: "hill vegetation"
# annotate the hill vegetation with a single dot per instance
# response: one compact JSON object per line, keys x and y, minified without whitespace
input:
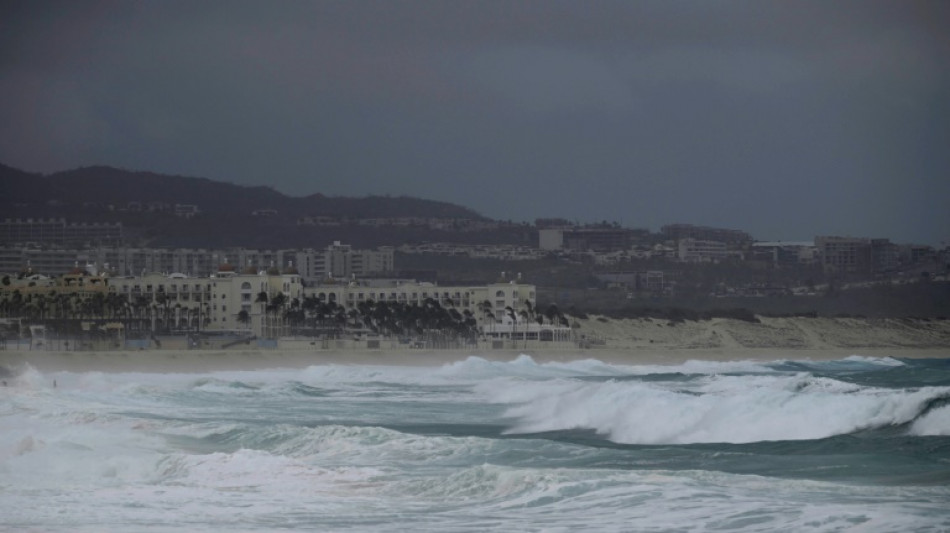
{"x":107,"y":186}
{"x":227,"y":214}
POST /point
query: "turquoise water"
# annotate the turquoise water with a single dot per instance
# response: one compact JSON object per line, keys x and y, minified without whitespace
{"x":855,"y":444}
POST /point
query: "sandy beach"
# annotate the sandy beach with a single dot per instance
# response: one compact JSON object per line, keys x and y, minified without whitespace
{"x":623,"y":341}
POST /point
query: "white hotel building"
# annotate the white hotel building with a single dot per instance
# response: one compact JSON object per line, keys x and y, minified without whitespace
{"x":215,"y":303}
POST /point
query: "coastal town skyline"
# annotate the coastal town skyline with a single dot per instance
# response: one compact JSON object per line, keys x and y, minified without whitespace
{"x":792,"y":120}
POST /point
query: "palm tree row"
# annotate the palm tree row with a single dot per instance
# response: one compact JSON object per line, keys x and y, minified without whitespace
{"x":64,"y":312}
{"x":312,"y":316}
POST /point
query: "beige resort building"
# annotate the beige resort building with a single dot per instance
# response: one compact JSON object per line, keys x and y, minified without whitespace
{"x":235,"y":303}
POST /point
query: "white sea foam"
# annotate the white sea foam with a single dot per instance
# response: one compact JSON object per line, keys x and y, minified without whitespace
{"x":371,"y":448}
{"x":717,"y":409}
{"x":935,"y":422}
{"x":880,"y":361}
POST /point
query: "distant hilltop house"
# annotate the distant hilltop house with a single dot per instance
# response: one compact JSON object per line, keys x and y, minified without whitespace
{"x":186,"y":210}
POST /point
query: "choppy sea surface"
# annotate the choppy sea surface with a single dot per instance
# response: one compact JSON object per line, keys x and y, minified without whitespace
{"x":858,"y":444}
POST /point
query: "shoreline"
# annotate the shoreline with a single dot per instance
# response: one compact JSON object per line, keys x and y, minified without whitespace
{"x":204,"y":361}
{"x":644,"y":341}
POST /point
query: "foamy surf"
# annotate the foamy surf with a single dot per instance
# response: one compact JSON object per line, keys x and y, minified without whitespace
{"x":480,"y":445}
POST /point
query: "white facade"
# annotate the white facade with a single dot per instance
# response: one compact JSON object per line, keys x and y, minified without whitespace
{"x":207,"y":304}
{"x":551,"y":239}
{"x":216,"y":303}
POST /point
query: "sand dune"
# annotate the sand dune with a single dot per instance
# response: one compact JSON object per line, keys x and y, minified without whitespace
{"x":793,"y":333}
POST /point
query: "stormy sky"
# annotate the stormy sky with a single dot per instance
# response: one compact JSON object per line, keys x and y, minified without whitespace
{"x":786,"y":119}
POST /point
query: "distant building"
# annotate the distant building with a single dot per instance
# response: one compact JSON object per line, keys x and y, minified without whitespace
{"x":593,"y":238}
{"x":677,"y":232}
{"x":233,"y":302}
{"x":649,"y":281}
{"x":847,"y":255}
{"x":341,"y":261}
{"x":885,"y":256}
{"x":57,"y":232}
{"x":337,"y":260}
{"x":186,"y":210}
{"x":700,"y":251}
{"x":785,"y":254}
{"x":915,"y":254}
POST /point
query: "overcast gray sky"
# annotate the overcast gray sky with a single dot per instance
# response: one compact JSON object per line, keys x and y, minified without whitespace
{"x":786,"y":119}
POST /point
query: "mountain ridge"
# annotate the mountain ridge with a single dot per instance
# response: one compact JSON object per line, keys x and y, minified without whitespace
{"x":106,"y":185}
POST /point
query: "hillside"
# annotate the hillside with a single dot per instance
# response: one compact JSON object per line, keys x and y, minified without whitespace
{"x":55,"y":194}
{"x":228,"y":214}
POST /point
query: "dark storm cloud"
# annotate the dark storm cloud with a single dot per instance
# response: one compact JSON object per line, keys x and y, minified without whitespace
{"x":787,"y":119}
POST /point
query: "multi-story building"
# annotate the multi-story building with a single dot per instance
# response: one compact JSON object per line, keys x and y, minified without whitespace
{"x":341,"y":261}
{"x":337,"y":260}
{"x":253,"y":304}
{"x":487,"y":303}
{"x":698,"y":251}
{"x":885,"y":256}
{"x":647,"y":281}
{"x":57,"y":232}
{"x":227,"y":301}
{"x":785,"y":254}
{"x":594,"y":238}
{"x":847,"y":255}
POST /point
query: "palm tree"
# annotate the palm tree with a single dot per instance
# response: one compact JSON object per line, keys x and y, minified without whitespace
{"x":244,"y":318}
{"x":276,"y":306}
{"x":162,"y":302}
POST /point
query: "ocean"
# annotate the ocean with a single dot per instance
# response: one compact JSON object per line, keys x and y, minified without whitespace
{"x":858,"y":444}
